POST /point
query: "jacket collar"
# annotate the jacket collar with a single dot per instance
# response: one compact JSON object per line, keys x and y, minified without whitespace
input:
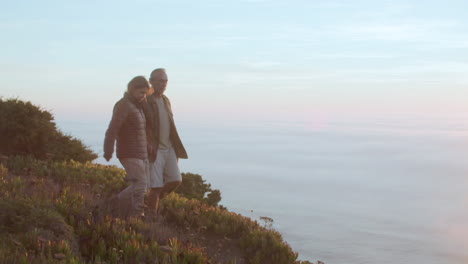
{"x":154,"y":98}
{"x":132,"y":99}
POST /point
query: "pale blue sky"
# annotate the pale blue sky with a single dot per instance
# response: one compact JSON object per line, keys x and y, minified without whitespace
{"x":262,"y":59}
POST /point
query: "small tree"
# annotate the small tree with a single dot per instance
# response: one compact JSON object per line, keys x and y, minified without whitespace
{"x":28,"y":130}
{"x":194,"y":187}
{"x":25,"y":129}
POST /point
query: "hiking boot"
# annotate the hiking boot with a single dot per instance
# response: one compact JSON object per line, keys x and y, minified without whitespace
{"x":151,"y":216}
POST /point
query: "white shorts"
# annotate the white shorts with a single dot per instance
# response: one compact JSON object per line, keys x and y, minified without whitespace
{"x":164,"y":169}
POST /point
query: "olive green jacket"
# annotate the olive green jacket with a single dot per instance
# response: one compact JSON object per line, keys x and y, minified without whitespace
{"x":153,"y":125}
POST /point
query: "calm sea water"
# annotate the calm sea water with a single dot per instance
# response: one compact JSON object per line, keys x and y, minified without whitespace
{"x":343,"y":192}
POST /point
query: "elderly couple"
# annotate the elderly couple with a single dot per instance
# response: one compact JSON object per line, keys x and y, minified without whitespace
{"x":148,"y":145}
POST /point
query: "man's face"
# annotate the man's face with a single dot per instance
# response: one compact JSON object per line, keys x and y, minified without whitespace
{"x":159,"y":82}
{"x":139,"y":93}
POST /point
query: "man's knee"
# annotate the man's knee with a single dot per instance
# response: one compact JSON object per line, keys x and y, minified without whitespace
{"x":156,"y":191}
{"x":175,"y":183}
{"x":171,"y":186}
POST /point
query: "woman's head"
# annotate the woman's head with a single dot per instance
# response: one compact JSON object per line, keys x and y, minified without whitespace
{"x":138,"y":87}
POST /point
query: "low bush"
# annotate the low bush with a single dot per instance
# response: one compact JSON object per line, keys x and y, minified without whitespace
{"x":260,"y":245}
{"x":194,"y":187}
{"x":28,"y":130}
{"x":60,"y":226}
{"x":48,"y":215}
{"x":35,"y":231}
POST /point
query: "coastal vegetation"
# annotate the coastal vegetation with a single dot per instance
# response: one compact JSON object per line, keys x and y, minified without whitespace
{"x":29,"y":130}
{"x":56,"y":207}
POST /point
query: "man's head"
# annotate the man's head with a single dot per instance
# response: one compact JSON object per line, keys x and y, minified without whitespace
{"x":138,"y":87}
{"x":158,"y":80}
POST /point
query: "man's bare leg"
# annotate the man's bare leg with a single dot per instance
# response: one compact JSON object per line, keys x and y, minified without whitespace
{"x":156,"y":194}
{"x":153,"y":200}
{"x":168,"y":188}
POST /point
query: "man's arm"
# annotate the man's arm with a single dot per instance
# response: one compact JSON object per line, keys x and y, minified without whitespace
{"x":146,"y":106}
{"x":168,"y":105}
{"x":118,"y":117}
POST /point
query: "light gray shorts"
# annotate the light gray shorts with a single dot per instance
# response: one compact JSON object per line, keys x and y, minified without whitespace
{"x":164,"y":169}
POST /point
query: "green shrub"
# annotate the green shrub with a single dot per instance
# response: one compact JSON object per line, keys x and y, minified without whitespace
{"x":3,"y":171}
{"x":66,"y":147}
{"x":260,"y":245}
{"x":35,"y":228}
{"x":63,"y":224}
{"x":27,"y":129}
{"x":266,"y":246}
{"x":102,"y":179}
{"x":194,"y":187}
{"x":34,"y":231}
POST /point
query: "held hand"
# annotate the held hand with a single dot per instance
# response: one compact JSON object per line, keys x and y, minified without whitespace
{"x":107,"y":156}
{"x":151,"y":153}
{"x":150,"y":149}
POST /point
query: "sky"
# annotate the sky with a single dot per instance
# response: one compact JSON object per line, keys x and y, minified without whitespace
{"x":245,"y":59}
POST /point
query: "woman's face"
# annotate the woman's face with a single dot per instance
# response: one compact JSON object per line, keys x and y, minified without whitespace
{"x":139,"y":93}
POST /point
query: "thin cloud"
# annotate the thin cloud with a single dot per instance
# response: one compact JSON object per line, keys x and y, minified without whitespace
{"x":353,"y":56}
{"x":421,"y":30}
{"x":417,"y":68}
{"x":261,"y":64}
{"x":266,"y":78}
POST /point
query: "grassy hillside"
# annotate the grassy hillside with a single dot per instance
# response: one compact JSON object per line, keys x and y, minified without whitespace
{"x":57,"y":210}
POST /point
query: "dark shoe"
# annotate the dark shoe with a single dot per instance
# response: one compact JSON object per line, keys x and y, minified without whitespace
{"x":151,"y":216}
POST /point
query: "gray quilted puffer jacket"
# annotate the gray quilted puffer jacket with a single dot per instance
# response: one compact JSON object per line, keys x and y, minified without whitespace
{"x":128,"y":127}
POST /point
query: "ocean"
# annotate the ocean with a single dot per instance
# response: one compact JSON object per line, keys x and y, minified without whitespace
{"x":359,"y":191}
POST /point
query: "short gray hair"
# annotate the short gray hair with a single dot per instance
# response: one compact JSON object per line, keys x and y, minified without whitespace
{"x":156,"y":71}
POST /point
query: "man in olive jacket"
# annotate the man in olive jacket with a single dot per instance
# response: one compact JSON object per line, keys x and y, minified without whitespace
{"x":128,"y":127}
{"x":167,"y":147}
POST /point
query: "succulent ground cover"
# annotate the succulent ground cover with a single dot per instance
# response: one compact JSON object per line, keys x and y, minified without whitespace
{"x":58,"y":212}
{"x":58,"y":207}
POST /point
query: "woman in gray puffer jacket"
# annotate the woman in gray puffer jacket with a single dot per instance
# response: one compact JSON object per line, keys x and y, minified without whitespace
{"x":128,"y":128}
